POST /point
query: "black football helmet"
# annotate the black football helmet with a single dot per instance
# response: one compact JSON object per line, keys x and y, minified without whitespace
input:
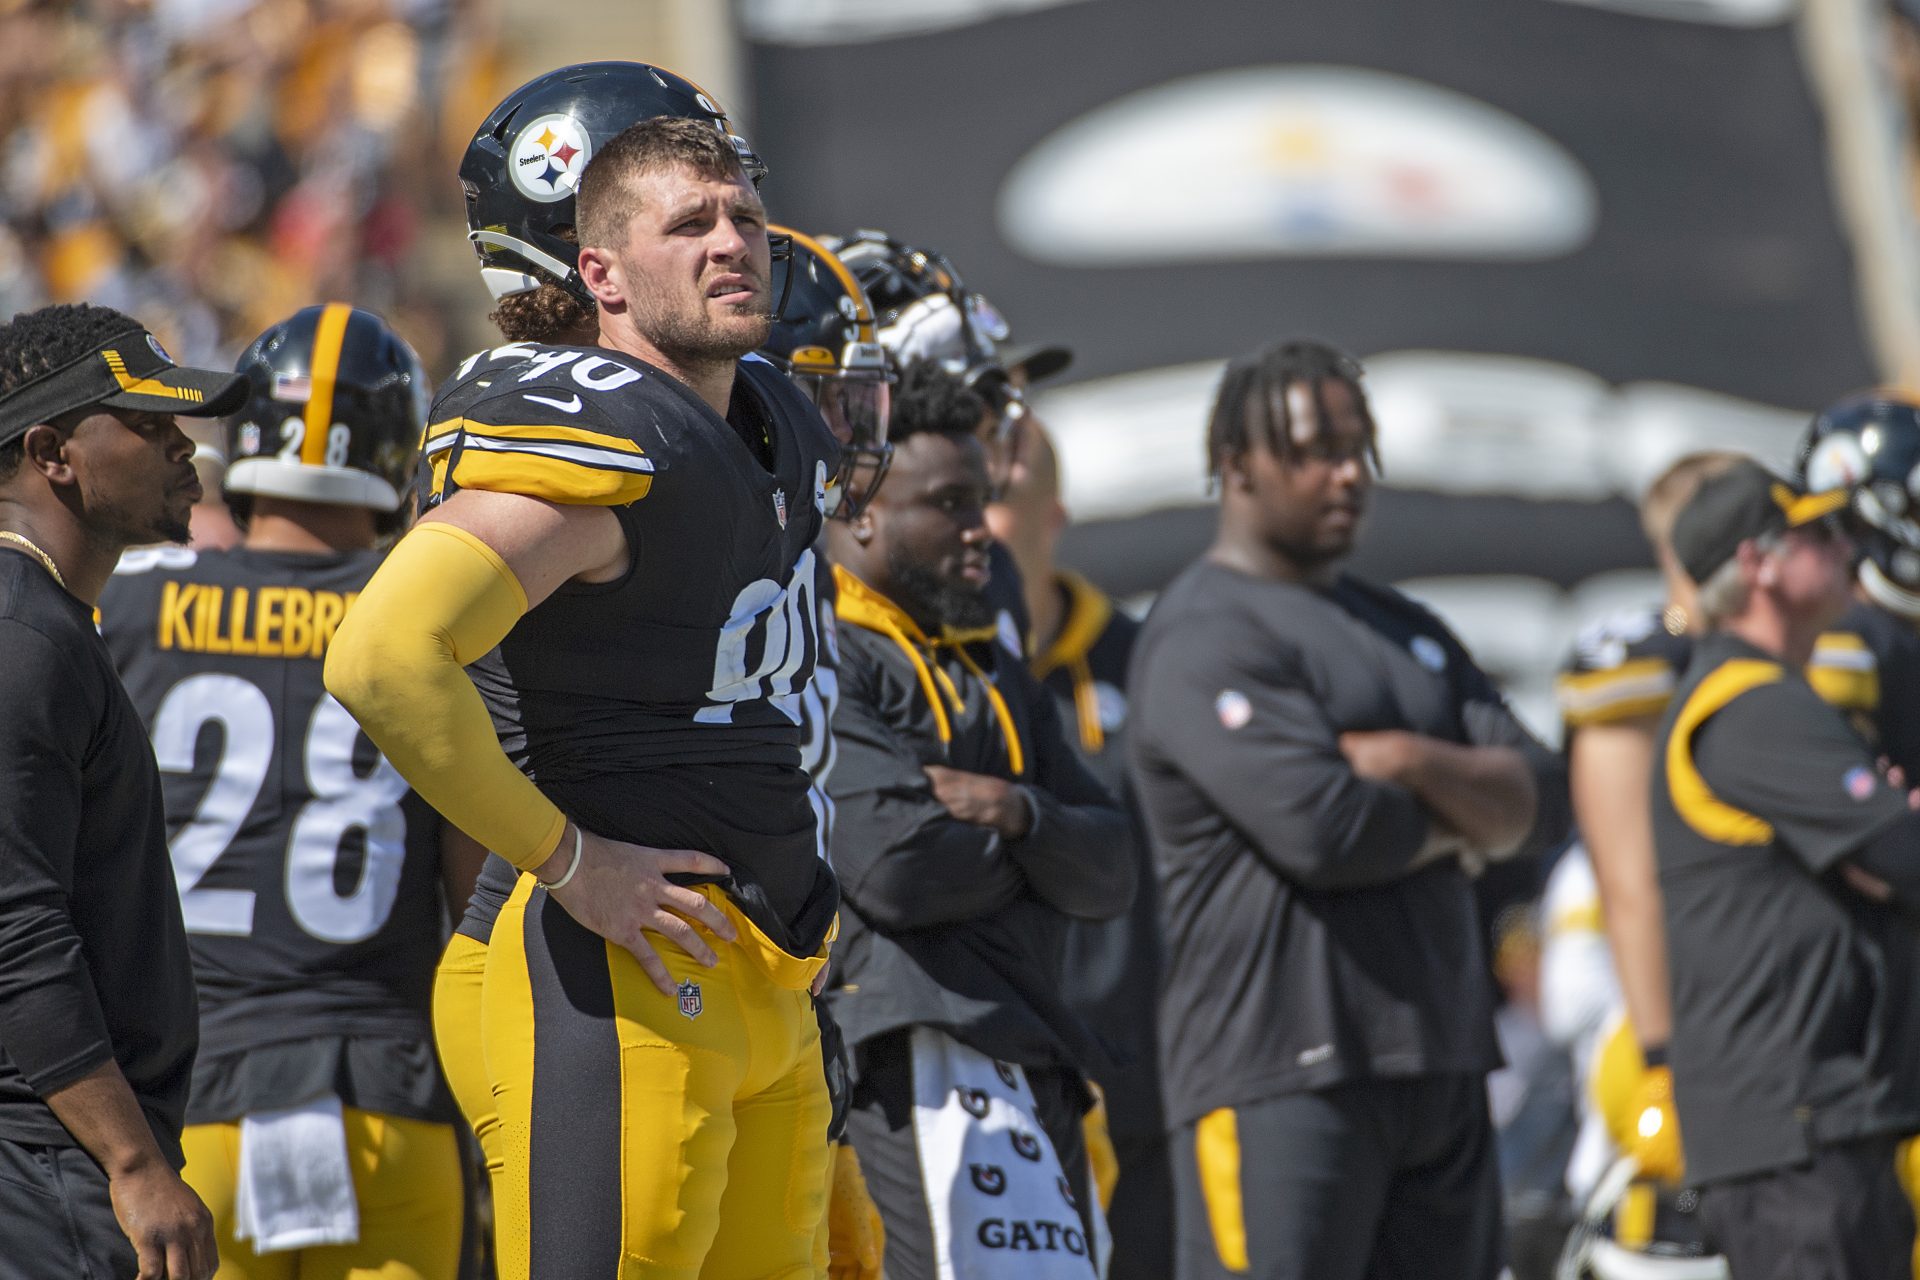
{"x":523,"y":166}
{"x":1870,"y":444}
{"x":336,"y":406}
{"x":826,"y":341}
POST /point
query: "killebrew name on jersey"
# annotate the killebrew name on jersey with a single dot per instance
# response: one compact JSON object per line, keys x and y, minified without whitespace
{"x":268,"y":622}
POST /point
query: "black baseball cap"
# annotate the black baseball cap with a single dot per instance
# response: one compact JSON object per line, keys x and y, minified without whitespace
{"x":1038,"y":359}
{"x":129,"y":370}
{"x":1744,"y":501}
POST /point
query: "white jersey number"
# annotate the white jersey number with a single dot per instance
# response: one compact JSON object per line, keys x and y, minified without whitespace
{"x":343,"y":800}
{"x":784,"y":619}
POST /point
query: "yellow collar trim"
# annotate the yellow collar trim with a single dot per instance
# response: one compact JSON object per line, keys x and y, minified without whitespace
{"x":862,"y":606}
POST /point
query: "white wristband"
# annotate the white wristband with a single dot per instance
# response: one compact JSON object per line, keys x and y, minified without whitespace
{"x":572,"y":867}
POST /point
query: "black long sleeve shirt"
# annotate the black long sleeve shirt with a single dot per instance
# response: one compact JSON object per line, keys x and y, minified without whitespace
{"x":93,"y":955}
{"x":1302,"y":948}
{"x":952,"y":926}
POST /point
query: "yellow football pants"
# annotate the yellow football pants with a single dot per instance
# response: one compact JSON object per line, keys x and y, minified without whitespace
{"x":1909,"y":1159}
{"x":406,"y":1177}
{"x":665,"y":1137}
{"x":456,"y":1033}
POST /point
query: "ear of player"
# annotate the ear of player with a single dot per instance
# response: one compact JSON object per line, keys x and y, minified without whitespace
{"x":825,"y":338}
{"x":336,"y":404}
{"x":1869,"y":444}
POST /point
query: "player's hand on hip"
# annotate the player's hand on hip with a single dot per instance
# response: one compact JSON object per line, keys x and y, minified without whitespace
{"x":981,"y":799}
{"x":621,"y":892}
{"x":171,"y":1231}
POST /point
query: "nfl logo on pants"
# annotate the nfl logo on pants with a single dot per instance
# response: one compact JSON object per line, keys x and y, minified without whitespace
{"x":689,"y":998}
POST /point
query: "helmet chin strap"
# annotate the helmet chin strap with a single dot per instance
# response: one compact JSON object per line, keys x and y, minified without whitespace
{"x":1887,"y":593}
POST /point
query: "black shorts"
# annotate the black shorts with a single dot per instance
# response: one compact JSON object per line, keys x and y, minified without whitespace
{"x":1372,"y":1180}
{"x":1840,"y":1216}
{"x":56,"y":1217}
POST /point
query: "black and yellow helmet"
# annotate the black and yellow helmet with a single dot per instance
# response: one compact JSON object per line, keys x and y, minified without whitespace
{"x":336,"y":404}
{"x":523,"y":166}
{"x":1869,"y":444}
{"x":825,"y":338}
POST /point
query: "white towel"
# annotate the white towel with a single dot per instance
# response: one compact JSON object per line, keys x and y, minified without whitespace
{"x":999,"y":1201}
{"x":296,"y":1187}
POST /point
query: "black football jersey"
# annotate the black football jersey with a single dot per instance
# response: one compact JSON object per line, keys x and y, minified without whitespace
{"x":1623,"y":668}
{"x":307,"y":870}
{"x":664,"y":707}
{"x":1867,"y":665}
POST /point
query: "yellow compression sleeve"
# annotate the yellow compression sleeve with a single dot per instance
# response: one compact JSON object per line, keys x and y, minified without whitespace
{"x":442,"y":599}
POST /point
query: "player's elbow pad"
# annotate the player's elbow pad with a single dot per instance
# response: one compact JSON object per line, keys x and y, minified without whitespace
{"x":442,"y":599}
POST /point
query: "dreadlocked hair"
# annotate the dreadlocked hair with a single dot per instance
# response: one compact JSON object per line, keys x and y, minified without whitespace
{"x":930,"y":400}
{"x":1253,"y":395}
{"x":34,"y":343}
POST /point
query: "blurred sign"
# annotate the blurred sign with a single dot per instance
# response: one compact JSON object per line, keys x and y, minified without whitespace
{"x":1726,"y":13}
{"x":845,"y":21}
{"x":1273,"y":161}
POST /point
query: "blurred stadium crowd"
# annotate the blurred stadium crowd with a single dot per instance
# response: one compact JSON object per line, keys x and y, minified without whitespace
{"x":211,"y":165}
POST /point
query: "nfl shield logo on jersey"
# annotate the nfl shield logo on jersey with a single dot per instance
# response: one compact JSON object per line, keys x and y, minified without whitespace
{"x":689,"y":998}
{"x":780,"y":506}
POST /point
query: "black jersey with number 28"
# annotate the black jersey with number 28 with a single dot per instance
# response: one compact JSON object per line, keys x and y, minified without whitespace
{"x":307,"y":869}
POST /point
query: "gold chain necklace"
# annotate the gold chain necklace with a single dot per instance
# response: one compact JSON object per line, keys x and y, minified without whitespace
{"x":36,"y":553}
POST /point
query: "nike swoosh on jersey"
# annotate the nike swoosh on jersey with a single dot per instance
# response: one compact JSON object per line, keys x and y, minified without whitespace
{"x":570,"y":405}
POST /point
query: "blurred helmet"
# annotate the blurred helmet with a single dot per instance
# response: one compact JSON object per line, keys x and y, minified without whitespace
{"x":824,"y":338}
{"x":522,"y":168}
{"x":1870,"y":444}
{"x":925,"y":312}
{"x":336,"y":406}
{"x":1592,"y":1253}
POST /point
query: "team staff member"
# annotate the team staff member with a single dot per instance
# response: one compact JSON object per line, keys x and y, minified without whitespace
{"x":1314,"y":755}
{"x":967,"y":835}
{"x":1778,"y":843}
{"x":97,"y":1015}
{"x":623,"y":552}
{"x":311,"y":889}
{"x":1081,"y":644}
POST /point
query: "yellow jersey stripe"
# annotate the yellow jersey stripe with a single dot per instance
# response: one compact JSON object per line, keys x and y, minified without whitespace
{"x":329,"y":336}
{"x":538,"y":474}
{"x":1695,"y":802}
{"x":1617,"y":693}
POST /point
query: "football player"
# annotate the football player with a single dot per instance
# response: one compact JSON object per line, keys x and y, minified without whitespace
{"x":319,"y":1130}
{"x":1612,"y":695}
{"x":621,"y":552}
{"x":522,"y":231}
{"x":1869,"y":665}
{"x":526,"y":245}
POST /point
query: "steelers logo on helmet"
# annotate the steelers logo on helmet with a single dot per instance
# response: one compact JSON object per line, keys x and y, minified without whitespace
{"x":1836,"y":462}
{"x":547,"y":158}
